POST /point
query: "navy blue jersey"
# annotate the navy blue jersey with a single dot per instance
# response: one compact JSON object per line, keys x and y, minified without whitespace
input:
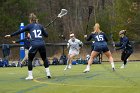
{"x":36,"y":32}
{"x":26,"y":42}
{"x":100,"y":43}
{"x":99,"y":38}
{"x":124,"y":44}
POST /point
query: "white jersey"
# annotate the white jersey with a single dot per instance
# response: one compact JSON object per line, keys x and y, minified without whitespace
{"x":74,"y":46}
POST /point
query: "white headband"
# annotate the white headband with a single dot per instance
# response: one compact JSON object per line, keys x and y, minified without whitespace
{"x":71,"y":34}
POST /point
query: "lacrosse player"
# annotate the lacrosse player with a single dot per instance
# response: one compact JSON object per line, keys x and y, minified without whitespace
{"x":26,"y":46}
{"x":125,"y":46}
{"x":37,"y":44}
{"x":100,"y":45}
{"x":74,"y":46}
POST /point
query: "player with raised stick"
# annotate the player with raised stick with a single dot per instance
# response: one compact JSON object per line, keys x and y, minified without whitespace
{"x":37,"y":42}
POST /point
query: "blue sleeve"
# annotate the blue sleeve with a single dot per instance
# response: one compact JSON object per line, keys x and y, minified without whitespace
{"x":105,"y":37}
{"x":89,"y":37}
{"x":26,"y":28}
{"x":118,"y":44}
{"x":44,"y":32}
{"x":22,"y":40}
{"x":124,"y":44}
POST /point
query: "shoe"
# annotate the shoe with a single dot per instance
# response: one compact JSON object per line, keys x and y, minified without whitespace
{"x":113,"y":69}
{"x":49,"y":77}
{"x":86,"y":70}
{"x":69,"y":67}
{"x":66,"y":68}
{"x":29,"y":78}
{"x":122,"y":66}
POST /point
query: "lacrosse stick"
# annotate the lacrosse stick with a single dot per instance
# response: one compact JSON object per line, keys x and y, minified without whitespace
{"x":61,"y":14}
{"x":90,"y":8}
{"x":112,"y":41}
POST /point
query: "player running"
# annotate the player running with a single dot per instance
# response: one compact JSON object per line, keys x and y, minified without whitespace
{"x":125,"y":46}
{"x":37,"y":44}
{"x":100,"y":45}
{"x":26,"y":41}
{"x":74,"y":46}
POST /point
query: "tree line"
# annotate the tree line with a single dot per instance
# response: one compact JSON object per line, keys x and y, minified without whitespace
{"x":113,"y":15}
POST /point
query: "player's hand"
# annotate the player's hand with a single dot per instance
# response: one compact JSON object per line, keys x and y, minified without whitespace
{"x":14,"y":41}
{"x":85,"y":36}
{"x":7,"y":36}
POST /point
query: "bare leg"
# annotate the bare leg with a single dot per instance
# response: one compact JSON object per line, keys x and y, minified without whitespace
{"x":69,"y":61}
{"x":109,"y":55}
{"x":93,"y":55}
{"x":70,"y":58}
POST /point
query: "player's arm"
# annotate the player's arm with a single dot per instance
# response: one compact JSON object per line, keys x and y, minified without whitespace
{"x":22,"y":40}
{"x":105,"y":37}
{"x":26,"y":28}
{"x":88,"y":38}
{"x":68,"y":44}
{"x":44,"y":32}
{"x":118,"y":44}
{"x":123,"y":45}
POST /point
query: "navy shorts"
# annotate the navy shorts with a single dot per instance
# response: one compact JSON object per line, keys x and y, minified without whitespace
{"x":102,"y":48}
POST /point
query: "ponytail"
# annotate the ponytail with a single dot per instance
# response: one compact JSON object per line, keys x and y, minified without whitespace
{"x":33,"y":18}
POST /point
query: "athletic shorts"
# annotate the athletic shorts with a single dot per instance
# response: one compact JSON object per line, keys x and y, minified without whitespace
{"x":102,"y":48}
{"x":34,"y":49}
{"x":73,"y":52}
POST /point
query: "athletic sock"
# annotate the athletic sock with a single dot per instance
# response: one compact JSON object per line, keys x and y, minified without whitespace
{"x":112,"y":64}
{"x":30,"y":73}
{"x":69,"y":65}
{"x":88,"y":66}
{"x":48,"y":71}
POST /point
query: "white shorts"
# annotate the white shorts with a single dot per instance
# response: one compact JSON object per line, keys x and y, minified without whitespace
{"x":73,"y":52}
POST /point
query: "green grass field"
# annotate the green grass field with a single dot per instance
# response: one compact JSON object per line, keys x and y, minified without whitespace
{"x":101,"y":79}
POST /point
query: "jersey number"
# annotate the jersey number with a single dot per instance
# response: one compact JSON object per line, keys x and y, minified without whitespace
{"x":37,"y":33}
{"x":100,"y":37}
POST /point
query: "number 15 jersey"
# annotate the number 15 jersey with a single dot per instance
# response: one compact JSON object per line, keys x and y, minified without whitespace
{"x":99,"y":38}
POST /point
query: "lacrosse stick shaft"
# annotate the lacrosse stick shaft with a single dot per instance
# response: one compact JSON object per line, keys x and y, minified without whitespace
{"x":89,"y":13}
{"x":51,"y":22}
{"x":112,"y":41}
{"x":62,"y":13}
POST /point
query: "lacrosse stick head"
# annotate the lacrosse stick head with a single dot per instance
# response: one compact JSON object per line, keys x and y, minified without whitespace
{"x":62,"y":13}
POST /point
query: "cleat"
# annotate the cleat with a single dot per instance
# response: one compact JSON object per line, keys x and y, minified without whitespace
{"x":86,"y":70}
{"x":49,"y":77}
{"x":113,"y":69}
{"x":122,"y":66}
{"x":66,"y":68}
{"x":29,"y":78}
{"x":69,"y":67}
